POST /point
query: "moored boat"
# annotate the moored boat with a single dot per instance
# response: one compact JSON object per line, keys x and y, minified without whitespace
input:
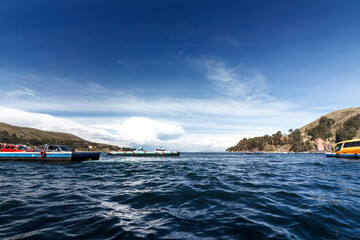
{"x":45,"y":154}
{"x":140,"y":152}
{"x":254,"y":153}
{"x":346,"y":149}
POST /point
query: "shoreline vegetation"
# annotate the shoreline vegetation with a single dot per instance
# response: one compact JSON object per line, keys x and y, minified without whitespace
{"x":316,"y":137}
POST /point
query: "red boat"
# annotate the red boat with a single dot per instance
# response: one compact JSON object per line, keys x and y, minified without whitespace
{"x":16,"y":148}
{"x":47,"y":153}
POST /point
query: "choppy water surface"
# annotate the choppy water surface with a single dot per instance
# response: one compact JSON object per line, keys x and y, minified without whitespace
{"x":196,"y":196}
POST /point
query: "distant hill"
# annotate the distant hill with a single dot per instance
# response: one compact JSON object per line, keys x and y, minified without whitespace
{"x":32,"y":133}
{"x":35,"y":137}
{"x":318,"y":135}
{"x":340,"y":116}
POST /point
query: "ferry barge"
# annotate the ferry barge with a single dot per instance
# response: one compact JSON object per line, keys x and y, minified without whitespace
{"x":346,"y":149}
{"x":158,"y":152}
{"x":46,"y":153}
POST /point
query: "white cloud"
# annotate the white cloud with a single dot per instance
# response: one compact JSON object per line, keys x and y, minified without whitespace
{"x":41,"y":121}
{"x":142,"y":131}
{"x":133,"y":131}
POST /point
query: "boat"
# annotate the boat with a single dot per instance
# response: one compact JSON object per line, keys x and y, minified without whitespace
{"x":254,"y":153}
{"x":140,"y":152}
{"x":47,"y":153}
{"x":346,"y":149}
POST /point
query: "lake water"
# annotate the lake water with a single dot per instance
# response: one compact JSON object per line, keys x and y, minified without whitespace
{"x":195,"y":196}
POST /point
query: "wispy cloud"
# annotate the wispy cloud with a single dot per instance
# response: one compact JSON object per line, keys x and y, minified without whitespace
{"x":95,"y":87}
{"x":89,"y":86}
{"x":64,"y":81}
{"x":34,"y":76}
{"x":227,"y":40}
{"x":20,"y":92}
{"x":29,"y":92}
{"x":232,"y":82}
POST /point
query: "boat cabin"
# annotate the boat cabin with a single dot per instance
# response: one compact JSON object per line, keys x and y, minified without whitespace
{"x":351,"y":146}
{"x":159,"y":149}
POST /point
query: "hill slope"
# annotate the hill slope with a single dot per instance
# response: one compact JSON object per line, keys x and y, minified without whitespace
{"x":340,"y":116}
{"x":35,"y":137}
{"x":333,"y":127}
{"x":32,"y":133}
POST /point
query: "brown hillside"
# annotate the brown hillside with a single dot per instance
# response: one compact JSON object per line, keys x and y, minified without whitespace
{"x":340,"y":116}
{"x":32,"y":136}
{"x":32,"y":133}
{"x":306,"y":142}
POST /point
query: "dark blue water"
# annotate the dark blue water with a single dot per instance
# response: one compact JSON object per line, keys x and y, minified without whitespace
{"x":196,"y":196}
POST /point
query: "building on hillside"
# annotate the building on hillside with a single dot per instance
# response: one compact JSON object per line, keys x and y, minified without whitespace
{"x":322,"y":145}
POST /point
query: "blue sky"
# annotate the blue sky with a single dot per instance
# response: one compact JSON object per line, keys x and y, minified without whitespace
{"x":192,"y":75}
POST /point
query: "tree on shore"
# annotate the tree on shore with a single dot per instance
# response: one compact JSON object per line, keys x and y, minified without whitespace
{"x":259,"y":143}
{"x":349,"y":129}
{"x":297,"y":143}
{"x":322,"y":130}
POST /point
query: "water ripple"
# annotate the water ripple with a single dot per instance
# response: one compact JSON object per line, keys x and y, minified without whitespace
{"x":196,"y":196}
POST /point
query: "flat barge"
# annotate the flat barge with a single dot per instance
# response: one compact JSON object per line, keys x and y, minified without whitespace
{"x":145,"y":154}
{"x":65,"y":157}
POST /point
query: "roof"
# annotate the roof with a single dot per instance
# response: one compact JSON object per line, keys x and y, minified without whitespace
{"x":354,"y":140}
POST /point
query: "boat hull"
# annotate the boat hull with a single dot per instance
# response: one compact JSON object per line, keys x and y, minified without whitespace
{"x":343,"y":155}
{"x":144,"y":154}
{"x":49,"y":156}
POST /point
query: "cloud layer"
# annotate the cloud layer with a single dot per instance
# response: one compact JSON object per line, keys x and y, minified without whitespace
{"x":133,"y":131}
{"x":240,"y":108}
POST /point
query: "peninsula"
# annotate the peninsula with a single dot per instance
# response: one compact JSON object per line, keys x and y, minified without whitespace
{"x":318,"y":136}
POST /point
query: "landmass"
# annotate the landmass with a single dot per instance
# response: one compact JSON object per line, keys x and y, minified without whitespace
{"x":318,"y":136}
